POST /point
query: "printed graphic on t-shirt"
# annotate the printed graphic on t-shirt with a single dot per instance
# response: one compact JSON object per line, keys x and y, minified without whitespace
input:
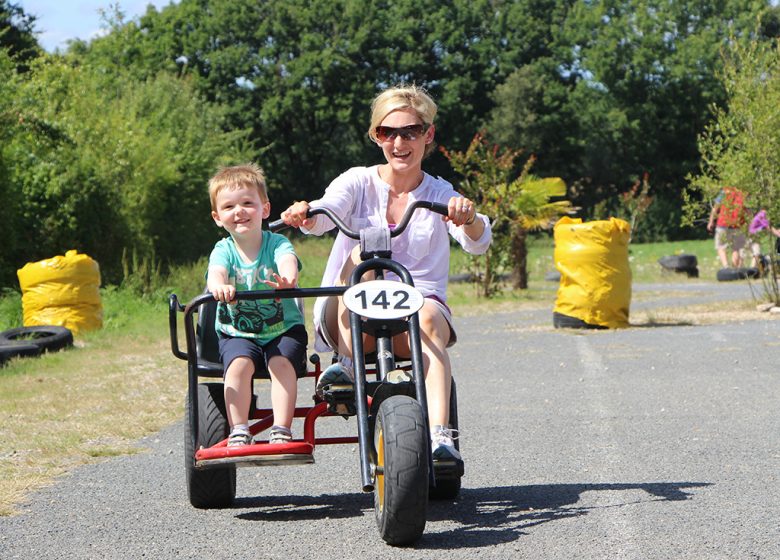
{"x":254,"y":317}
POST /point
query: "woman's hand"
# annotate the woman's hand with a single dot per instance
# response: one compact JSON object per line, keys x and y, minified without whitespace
{"x":461,"y":211}
{"x":295,"y":215}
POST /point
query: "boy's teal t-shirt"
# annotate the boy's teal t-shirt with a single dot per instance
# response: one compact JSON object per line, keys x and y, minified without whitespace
{"x":264,"y":319}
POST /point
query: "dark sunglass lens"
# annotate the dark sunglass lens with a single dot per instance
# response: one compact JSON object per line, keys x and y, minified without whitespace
{"x":411,"y":132}
{"x":383,"y":133}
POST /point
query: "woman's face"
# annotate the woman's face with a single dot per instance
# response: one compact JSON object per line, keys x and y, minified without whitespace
{"x":404,"y":149}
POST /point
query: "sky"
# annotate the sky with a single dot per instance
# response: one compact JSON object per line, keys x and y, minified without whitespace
{"x":60,"y":20}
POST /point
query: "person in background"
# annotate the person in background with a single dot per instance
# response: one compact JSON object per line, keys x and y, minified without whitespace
{"x":257,"y":334}
{"x":402,"y":126}
{"x":727,"y":218}
{"x":759,"y":223}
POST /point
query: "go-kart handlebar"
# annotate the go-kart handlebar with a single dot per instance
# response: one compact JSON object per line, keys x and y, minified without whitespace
{"x":346,"y":230}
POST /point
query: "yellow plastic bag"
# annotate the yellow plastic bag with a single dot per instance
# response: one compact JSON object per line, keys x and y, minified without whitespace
{"x":592,"y":257}
{"x":63,"y":291}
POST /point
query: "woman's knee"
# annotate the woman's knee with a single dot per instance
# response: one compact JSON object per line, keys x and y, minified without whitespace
{"x":434,"y":325}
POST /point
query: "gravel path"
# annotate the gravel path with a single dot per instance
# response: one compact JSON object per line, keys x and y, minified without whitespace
{"x":641,"y":443}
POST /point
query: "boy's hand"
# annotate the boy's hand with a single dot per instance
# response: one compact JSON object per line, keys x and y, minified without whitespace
{"x":280,"y":282}
{"x":224,"y":292}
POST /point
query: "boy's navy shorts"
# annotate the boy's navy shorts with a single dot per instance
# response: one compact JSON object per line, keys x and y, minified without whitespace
{"x":291,"y":345}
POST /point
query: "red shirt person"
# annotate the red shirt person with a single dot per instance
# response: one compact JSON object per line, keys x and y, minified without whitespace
{"x":728,"y":217}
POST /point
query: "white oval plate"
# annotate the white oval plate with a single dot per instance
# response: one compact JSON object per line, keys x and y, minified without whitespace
{"x":383,"y":299}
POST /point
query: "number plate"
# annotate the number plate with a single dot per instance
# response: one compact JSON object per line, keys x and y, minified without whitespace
{"x":383,"y":299}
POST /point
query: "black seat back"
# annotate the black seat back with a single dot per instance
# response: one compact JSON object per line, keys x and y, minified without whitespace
{"x":207,"y":345}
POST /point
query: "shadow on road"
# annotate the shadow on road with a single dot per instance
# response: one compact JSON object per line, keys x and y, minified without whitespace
{"x":484,"y":516}
{"x":303,"y":508}
{"x":490,"y":516}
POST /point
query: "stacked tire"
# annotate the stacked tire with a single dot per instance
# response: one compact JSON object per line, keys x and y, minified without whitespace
{"x":687,"y":264}
{"x":33,"y":341}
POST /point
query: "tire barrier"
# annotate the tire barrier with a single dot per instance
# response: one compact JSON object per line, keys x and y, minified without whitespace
{"x":595,"y":286}
{"x":62,"y":291}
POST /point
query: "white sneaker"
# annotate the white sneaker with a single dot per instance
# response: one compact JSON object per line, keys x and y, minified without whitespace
{"x":239,"y":437}
{"x":443,"y":444}
{"x":279,"y":434}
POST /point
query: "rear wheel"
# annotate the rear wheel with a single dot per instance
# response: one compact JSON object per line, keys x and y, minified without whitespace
{"x":211,"y":488}
{"x":401,"y":481}
{"x":447,"y":479}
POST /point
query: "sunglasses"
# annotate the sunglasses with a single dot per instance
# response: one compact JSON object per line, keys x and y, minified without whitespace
{"x":409,"y":132}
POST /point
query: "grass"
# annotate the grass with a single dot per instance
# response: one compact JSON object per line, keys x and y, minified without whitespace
{"x":121,"y":383}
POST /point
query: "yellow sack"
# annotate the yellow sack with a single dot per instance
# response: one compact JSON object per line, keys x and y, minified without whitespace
{"x":592,"y":258}
{"x":62,"y":291}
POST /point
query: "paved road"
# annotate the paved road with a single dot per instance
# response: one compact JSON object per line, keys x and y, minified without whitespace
{"x":643,"y":443}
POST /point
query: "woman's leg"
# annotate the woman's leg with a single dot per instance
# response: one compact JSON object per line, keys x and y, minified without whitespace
{"x":434,"y":336}
{"x":337,"y":314}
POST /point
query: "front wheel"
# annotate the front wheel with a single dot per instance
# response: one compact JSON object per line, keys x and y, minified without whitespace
{"x":401,"y":470}
{"x":212,"y":488}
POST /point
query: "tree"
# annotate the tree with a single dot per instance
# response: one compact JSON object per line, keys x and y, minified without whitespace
{"x":17,"y":34}
{"x":741,"y":145}
{"x":629,"y":85}
{"x":106,"y":165}
{"x":514,"y":206}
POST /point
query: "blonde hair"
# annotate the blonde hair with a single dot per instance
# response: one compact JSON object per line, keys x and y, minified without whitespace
{"x":403,"y":97}
{"x":236,"y":177}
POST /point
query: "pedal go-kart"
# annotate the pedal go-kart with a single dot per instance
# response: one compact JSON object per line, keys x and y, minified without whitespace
{"x":388,"y":396}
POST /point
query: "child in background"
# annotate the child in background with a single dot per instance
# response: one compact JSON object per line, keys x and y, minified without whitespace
{"x":259,"y":334}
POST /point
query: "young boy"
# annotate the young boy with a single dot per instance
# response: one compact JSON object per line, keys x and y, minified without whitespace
{"x":261,"y":333}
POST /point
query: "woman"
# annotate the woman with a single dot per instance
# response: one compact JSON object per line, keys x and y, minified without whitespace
{"x":402,"y":126}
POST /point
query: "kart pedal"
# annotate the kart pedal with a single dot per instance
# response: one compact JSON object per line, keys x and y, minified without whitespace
{"x":340,"y":399}
{"x":449,"y":468}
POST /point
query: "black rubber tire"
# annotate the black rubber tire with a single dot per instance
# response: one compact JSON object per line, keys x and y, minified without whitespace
{"x":49,"y":337}
{"x":449,"y":488}
{"x":731,"y":274}
{"x":679,"y":263}
{"x":561,"y":321}
{"x":211,"y":488}
{"x":401,"y":482}
{"x":17,"y":350}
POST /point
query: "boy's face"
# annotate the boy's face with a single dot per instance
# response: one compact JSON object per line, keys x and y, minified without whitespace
{"x":240,"y":211}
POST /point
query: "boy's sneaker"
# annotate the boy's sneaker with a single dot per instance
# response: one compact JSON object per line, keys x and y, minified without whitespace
{"x":239,"y":437}
{"x":279,"y":434}
{"x":442,"y":444}
{"x":339,"y":373}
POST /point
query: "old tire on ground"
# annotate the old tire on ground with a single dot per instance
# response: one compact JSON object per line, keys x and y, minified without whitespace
{"x":17,"y":350}
{"x":401,"y":481}
{"x":731,"y":274}
{"x":50,"y":338}
{"x":448,"y":487}
{"x":561,"y":321}
{"x":211,"y":488}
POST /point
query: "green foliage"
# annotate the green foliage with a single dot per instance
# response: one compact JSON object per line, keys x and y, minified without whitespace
{"x":741,"y":146}
{"x":627,"y":89}
{"x":514,"y":206}
{"x":17,"y":34}
{"x":104,"y":163}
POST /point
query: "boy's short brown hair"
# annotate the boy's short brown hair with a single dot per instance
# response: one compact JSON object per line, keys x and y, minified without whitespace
{"x":237,"y":176}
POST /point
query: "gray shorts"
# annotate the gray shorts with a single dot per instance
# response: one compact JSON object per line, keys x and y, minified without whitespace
{"x":726,"y":237}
